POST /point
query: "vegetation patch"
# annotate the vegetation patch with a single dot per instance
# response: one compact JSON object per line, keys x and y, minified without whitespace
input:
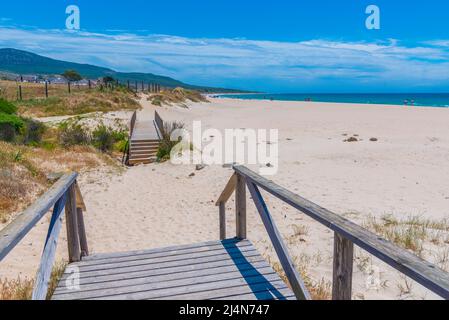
{"x":177,"y":96}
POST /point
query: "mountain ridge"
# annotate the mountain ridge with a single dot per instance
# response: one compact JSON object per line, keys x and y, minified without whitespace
{"x":25,"y":62}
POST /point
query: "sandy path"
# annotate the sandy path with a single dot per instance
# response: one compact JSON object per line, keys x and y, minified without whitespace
{"x":405,"y":172}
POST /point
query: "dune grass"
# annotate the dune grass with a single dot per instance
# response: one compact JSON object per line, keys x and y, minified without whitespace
{"x":22,"y":289}
{"x":81,"y":100}
{"x":177,"y":96}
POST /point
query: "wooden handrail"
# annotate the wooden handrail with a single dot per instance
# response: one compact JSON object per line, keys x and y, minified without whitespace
{"x":347,"y":234}
{"x":64,"y":193}
{"x":159,"y":123}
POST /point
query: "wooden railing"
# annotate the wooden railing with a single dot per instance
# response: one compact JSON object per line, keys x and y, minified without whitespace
{"x":64,"y":193}
{"x":159,"y":124}
{"x":346,"y":235}
{"x":132,"y":125}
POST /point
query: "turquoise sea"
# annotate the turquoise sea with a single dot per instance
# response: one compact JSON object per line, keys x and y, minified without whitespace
{"x":412,"y":99}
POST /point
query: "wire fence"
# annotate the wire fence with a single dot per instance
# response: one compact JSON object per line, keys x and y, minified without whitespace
{"x":18,"y":91}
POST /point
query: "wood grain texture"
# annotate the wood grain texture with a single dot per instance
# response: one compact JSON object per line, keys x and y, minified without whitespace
{"x":222,"y":221}
{"x":292,"y":274}
{"x":210,"y":270}
{"x":423,"y":272}
{"x":48,"y":255}
{"x":228,"y":190}
{"x":12,"y":234}
{"x":342,"y":271}
{"x":73,"y":240}
{"x":240,"y":207}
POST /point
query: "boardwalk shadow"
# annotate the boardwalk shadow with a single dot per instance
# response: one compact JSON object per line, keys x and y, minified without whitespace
{"x":259,"y":285}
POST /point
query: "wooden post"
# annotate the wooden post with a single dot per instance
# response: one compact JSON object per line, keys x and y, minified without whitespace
{"x":240,"y":207}
{"x":222,"y":220}
{"x":82,"y":233}
{"x":68,"y":86}
{"x":128,"y":85}
{"x":73,"y":240}
{"x":343,"y":264}
{"x":137,"y":88}
{"x":20,"y":92}
{"x":46,"y":89}
{"x":90,"y":84}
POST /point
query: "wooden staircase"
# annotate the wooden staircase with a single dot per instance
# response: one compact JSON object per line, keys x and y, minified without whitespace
{"x":145,"y":135}
{"x":143,"y":151}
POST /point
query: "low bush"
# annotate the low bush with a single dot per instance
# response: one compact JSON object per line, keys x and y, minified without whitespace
{"x":103,"y":138}
{"x":32,"y":132}
{"x":72,"y":134}
{"x":7,"y":107}
{"x":10,"y":126}
{"x":166,"y":145}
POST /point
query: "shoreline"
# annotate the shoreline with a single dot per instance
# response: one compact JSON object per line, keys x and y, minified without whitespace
{"x":229,"y":96}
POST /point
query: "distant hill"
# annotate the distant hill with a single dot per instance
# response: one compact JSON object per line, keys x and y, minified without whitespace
{"x":23,"y":62}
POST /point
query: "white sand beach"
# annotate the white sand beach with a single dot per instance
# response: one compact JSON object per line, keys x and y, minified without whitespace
{"x":403,"y":173}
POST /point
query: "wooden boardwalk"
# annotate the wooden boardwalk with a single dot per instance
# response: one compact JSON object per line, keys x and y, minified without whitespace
{"x":144,"y":140}
{"x":230,"y":269}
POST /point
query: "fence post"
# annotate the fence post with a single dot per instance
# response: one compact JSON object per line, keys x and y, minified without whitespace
{"x":128,"y":85}
{"x":46,"y":89}
{"x":137,"y":88}
{"x":73,"y":240}
{"x":222,"y":221}
{"x":90,"y":84}
{"x":343,"y":265}
{"x":20,"y":92}
{"x":68,"y":86}
{"x":240,"y":203}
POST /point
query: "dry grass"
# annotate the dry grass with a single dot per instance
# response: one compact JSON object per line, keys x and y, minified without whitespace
{"x":60,"y":102}
{"x":30,"y":91}
{"x":22,"y":289}
{"x":79,"y":103}
{"x":319,"y":290}
{"x":23,"y":172}
{"x":411,"y":233}
{"x":178,"y":96}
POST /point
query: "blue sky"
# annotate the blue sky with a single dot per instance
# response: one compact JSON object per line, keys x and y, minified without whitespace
{"x":277,"y":46}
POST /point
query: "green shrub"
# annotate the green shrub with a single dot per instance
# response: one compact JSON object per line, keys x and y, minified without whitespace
{"x":7,"y":107}
{"x":10,"y":125}
{"x":32,"y":132}
{"x":71,"y":134}
{"x":121,"y":145}
{"x":103,"y":138}
{"x":166,"y":145}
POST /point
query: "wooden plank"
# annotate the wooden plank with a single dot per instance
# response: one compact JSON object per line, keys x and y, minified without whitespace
{"x":73,"y":240}
{"x":222,"y":221}
{"x":107,"y":282}
{"x":264,"y":295}
{"x":210,"y":244}
{"x":216,"y":248}
{"x":82,"y":233}
{"x":159,"y":260}
{"x":240,"y":204}
{"x":278,"y":289}
{"x":79,"y":198}
{"x":292,"y":274}
{"x":228,"y":190}
{"x":343,"y":263}
{"x":168,"y":289}
{"x":137,"y":285}
{"x":165,"y":269}
{"x":12,"y":234}
{"x":48,"y":256}
{"x":423,"y":272}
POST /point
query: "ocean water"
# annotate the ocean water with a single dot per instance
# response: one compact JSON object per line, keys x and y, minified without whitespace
{"x":411,"y":99}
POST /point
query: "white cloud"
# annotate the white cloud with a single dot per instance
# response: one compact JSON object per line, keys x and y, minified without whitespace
{"x":241,"y":61}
